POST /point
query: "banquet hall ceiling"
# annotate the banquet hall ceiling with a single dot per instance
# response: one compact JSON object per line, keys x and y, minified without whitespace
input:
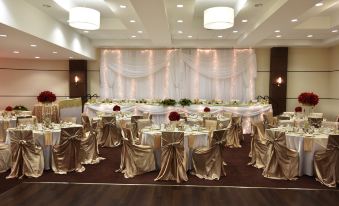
{"x":157,"y":23}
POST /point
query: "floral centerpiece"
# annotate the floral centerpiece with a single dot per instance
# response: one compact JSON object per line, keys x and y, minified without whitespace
{"x":20,"y":108}
{"x":116,"y":108}
{"x":185,"y":102}
{"x":168,"y":102}
{"x":46,"y":97}
{"x":9,"y":109}
{"x":207,"y":109}
{"x":308,"y":99}
{"x":174,"y":116}
{"x":298,"y":109}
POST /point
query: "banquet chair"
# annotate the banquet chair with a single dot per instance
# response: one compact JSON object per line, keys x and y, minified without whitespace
{"x":227,"y":114}
{"x":223,"y":124}
{"x":326,"y":163}
{"x":5,"y":157}
{"x":331,"y":125}
{"x":135,"y":159}
{"x":315,"y":121}
{"x":282,"y":163}
{"x":269,"y":120}
{"x":111,"y":133}
{"x":86,"y":122}
{"x":89,"y":150}
{"x":69,"y":119}
{"x":258,"y":146}
{"x":173,"y":157}
{"x":208,"y":162}
{"x":28,"y":120}
{"x":234,"y":135}
{"x":135,"y":118}
{"x":141,"y":124}
{"x":66,"y":155}
{"x":146,"y":115}
{"x":27,"y":157}
{"x":208,"y":118}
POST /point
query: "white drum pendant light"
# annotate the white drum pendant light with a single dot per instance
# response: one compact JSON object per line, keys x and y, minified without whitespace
{"x":217,"y":18}
{"x":84,"y":18}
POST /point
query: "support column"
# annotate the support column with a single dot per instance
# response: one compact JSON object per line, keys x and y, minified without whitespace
{"x":78,"y":79}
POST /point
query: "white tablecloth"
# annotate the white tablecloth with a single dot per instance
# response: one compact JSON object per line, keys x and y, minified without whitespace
{"x":160,"y":113}
{"x":201,"y":140}
{"x":6,"y":123}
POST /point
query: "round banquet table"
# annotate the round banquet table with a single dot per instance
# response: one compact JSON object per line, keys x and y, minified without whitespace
{"x":200,"y":140}
{"x":6,"y":123}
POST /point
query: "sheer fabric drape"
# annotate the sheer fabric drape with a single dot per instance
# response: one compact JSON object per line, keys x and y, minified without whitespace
{"x":178,"y":73}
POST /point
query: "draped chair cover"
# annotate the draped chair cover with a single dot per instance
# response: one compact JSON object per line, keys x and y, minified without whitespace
{"x":89,"y":151}
{"x":326,"y":163}
{"x":258,"y":152}
{"x":26,"y":155}
{"x":135,"y":118}
{"x":135,"y":159}
{"x":111,"y":133}
{"x":86,"y":122}
{"x":269,"y":120}
{"x":142,"y":123}
{"x":146,"y":115}
{"x":29,"y":120}
{"x":5,"y":157}
{"x":235,"y":133}
{"x":223,"y":124}
{"x":227,"y":114}
{"x":208,"y":162}
{"x":282,"y":163}
{"x":315,"y":121}
{"x":66,"y":155}
{"x":173,"y":157}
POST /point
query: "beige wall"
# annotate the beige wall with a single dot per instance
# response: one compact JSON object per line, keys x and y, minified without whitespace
{"x":263,"y":74}
{"x":93,"y":75}
{"x":22,"y":80}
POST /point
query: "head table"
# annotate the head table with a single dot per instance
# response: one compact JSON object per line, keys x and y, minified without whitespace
{"x":160,"y":113}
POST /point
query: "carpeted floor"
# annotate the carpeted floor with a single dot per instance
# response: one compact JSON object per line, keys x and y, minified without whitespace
{"x":238,"y":173}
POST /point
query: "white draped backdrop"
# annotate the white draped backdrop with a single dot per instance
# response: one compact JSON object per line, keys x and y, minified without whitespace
{"x":223,"y":74}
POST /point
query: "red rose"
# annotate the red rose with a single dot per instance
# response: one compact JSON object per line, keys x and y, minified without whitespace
{"x":174,"y":116}
{"x":9,"y":109}
{"x":207,"y":109}
{"x":116,"y":108}
{"x":308,"y":98}
{"x":46,"y":96}
{"x":298,"y":109}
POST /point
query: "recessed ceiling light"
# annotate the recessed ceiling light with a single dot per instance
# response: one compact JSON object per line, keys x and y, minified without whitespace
{"x":140,"y":32}
{"x":278,"y":36}
{"x":244,"y":20}
{"x":235,"y":31}
{"x":180,"y":21}
{"x":3,"y":35}
{"x":310,"y":35}
{"x":319,"y":4}
{"x":85,"y":31}
{"x":180,"y":5}
{"x":180,"y":32}
{"x":220,"y":36}
{"x":16,"y":52}
{"x":335,"y":31}
{"x":71,"y":57}
{"x":277,"y":31}
{"x":189,"y":36}
{"x":123,"y":6}
{"x":33,"y":45}
{"x":37,"y":57}
{"x":133,"y":36}
{"x":132,"y":21}
{"x":294,"y":20}
{"x":55,"y":52}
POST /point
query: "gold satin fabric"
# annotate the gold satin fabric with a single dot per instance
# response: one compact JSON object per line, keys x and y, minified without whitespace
{"x":5,"y":158}
{"x":53,"y":109}
{"x":141,"y":124}
{"x":208,"y":162}
{"x":26,"y":155}
{"x":135,"y":159}
{"x":111,"y":133}
{"x":269,"y":120}
{"x":66,"y":155}
{"x":135,"y":118}
{"x":235,"y":133}
{"x":3,"y":129}
{"x":315,"y":121}
{"x":134,"y":132}
{"x":282,"y":163}
{"x":146,"y":115}
{"x":223,"y":124}
{"x":227,"y":114}
{"x":86,"y":123}
{"x":89,"y":150}
{"x":173,"y":157}
{"x":68,"y":103}
{"x":258,"y":152}
{"x":326,"y":163}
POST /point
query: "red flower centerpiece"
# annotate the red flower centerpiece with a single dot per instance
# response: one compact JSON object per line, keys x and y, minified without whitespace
{"x":308,"y":99}
{"x":46,"y":97}
{"x":298,"y":109}
{"x":116,"y":108}
{"x":9,"y":109}
{"x":174,"y":116}
{"x":207,"y":109}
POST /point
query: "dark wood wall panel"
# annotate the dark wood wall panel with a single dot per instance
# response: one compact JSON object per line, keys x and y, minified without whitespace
{"x":278,"y":68}
{"x":78,"y":68}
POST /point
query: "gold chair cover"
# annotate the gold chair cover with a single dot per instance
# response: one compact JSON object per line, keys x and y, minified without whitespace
{"x":26,"y":155}
{"x":326,"y":163}
{"x":208,"y":162}
{"x":269,"y":120}
{"x":258,"y":152}
{"x":135,"y":118}
{"x":5,"y":157}
{"x":223,"y":124}
{"x":173,"y":157}
{"x":66,"y":155}
{"x":111,"y":133}
{"x":28,"y":120}
{"x":89,"y":151}
{"x":146,"y":115}
{"x":142,"y":123}
{"x":315,"y":121}
{"x":86,"y":122}
{"x":135,"y":159}
{"x":235,"y":133}
{"x":282,"y":163}
{"x":227,"y":114}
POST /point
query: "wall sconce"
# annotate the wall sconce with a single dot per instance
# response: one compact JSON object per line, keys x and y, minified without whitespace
{"x":76,"y":79}
{"x":279,"y":81}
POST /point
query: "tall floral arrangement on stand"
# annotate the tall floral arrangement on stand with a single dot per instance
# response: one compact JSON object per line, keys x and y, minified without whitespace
{"x":46,"y":97}
{"x":308,"y":100}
